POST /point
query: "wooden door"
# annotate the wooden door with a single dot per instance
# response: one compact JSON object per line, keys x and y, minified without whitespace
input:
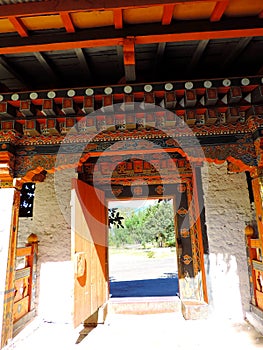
{"x":89,"y":250}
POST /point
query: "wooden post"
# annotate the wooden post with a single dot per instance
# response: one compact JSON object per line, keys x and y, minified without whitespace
{"x":32,"y":261}
{"x":9,"y":208}
{"x":256,"y":245}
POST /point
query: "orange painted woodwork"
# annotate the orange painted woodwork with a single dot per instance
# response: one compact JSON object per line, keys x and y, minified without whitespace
{"x":7,"y":329}
{"x":118,"y":19}
{"x":167,"y":14}
{"x":89,"y":250}
{"x":53,"y":6}
{"x":129,"y":51}
{"x":219,"y":11}
{"x":19,"y":26}
{"x":65,"y":16}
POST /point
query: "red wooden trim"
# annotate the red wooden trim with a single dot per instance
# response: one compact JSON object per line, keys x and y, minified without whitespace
{"x":118,"y":20}
{"x":261,"y":14}
{"x":140,"y":39}
{"x":206,"y":35}
{"x":65,"y":16}
{"x":24,"y":251}
{"x":61,"y":46}
{"x":129,"y":51}
{"x":19,"y":26}
{"x":219,"y":10}
{"x":167,"y":14}
{"x":56,"y":6}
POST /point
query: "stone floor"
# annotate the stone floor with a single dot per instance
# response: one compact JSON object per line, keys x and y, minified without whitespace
{"x":147,"y":332}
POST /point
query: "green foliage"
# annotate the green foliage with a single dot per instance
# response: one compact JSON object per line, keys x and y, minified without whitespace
{"x":154,"y":224}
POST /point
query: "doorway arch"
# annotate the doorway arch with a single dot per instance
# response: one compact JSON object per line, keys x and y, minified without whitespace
{"x":153,"y":175}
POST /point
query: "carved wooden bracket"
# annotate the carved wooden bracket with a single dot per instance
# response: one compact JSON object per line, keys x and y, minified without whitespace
{"x":7,"y":160}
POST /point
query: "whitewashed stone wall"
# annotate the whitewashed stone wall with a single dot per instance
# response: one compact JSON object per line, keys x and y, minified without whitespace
{"x":51,"y":222}
{"x":228,"y":210}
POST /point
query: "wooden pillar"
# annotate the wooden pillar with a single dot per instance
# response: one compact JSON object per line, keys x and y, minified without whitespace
{"x":191,"y":271}
{"x":9,"y":209}
{"x":255,"y":241}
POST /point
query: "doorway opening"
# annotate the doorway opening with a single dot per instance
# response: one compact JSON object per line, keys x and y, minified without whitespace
{"x":142,"y":249}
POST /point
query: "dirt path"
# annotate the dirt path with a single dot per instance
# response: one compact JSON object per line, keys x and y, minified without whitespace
{"x":139,"y":273}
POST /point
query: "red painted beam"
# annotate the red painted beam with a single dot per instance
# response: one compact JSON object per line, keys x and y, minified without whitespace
{"x":261,"y":14}
{"x":129,"y":51}
{"x":118,"y":20}
{"x":78,"y":42}
{"x":167,"y":14}
{"x":19,"y":26}
{"x":206,"y":35}
{"x":219,"y":10}
{"x":56,"y":6}
{"x":67,"y":21}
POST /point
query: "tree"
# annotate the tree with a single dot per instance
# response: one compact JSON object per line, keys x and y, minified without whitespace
{"x":143,"y":226}
{"x":115,"y":218}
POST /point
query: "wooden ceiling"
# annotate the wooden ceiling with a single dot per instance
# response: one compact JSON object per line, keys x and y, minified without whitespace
{"x":60,"y":44}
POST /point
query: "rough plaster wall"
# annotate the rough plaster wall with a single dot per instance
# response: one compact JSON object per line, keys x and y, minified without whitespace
{"x":227,"y":210}
{"x":51,"y":222}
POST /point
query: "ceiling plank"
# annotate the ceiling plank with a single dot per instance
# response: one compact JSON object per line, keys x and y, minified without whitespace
{"x":129,"y":59}
{"x":83,"y":63}
{"x":46,"y":66}
{"x":56,"y":6}
{"x":219,"y":10}
{"x":118,"y":19}
{"x":144,"y":34}
{"x":197,"y":54}
{"x":240,"y":47}
{"x":67,"y":21}
{"x":167,"y":14}
{"x":4,"y":62}
{"x":19,"y":26}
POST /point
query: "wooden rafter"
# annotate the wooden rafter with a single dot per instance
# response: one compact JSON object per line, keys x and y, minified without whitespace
{"x":129,"y":59}
{"x":67,"y":21}
{"x":118,"y":20}
{"x":4,"y":62}
{"x":19,"y":26}
{"x":57,"y":6}
{"x":198,"y":54}
{"x":119,"y":55}
{"x":219,"y":10}
{"x":167,"y":14}
{"x":83,"y":63}
{"x":46,"y":66}
{"x":159,"y":56}
{"x":143,"y":34}
{"x":240,"y":47}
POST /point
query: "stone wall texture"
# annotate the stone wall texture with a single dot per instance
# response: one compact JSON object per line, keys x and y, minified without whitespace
{"x":228,"y":210}
{"x":51,"y":222}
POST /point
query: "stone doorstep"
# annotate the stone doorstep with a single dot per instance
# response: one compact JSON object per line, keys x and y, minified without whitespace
{"x":144,"y":305}
{"x":194,"y":309}
{"x":255,"y":318}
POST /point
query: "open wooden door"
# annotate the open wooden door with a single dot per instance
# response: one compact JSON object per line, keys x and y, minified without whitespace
{"x":89,"y":250}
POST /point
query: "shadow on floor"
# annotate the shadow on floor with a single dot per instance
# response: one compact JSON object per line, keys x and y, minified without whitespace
{"x":145,"y":288}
